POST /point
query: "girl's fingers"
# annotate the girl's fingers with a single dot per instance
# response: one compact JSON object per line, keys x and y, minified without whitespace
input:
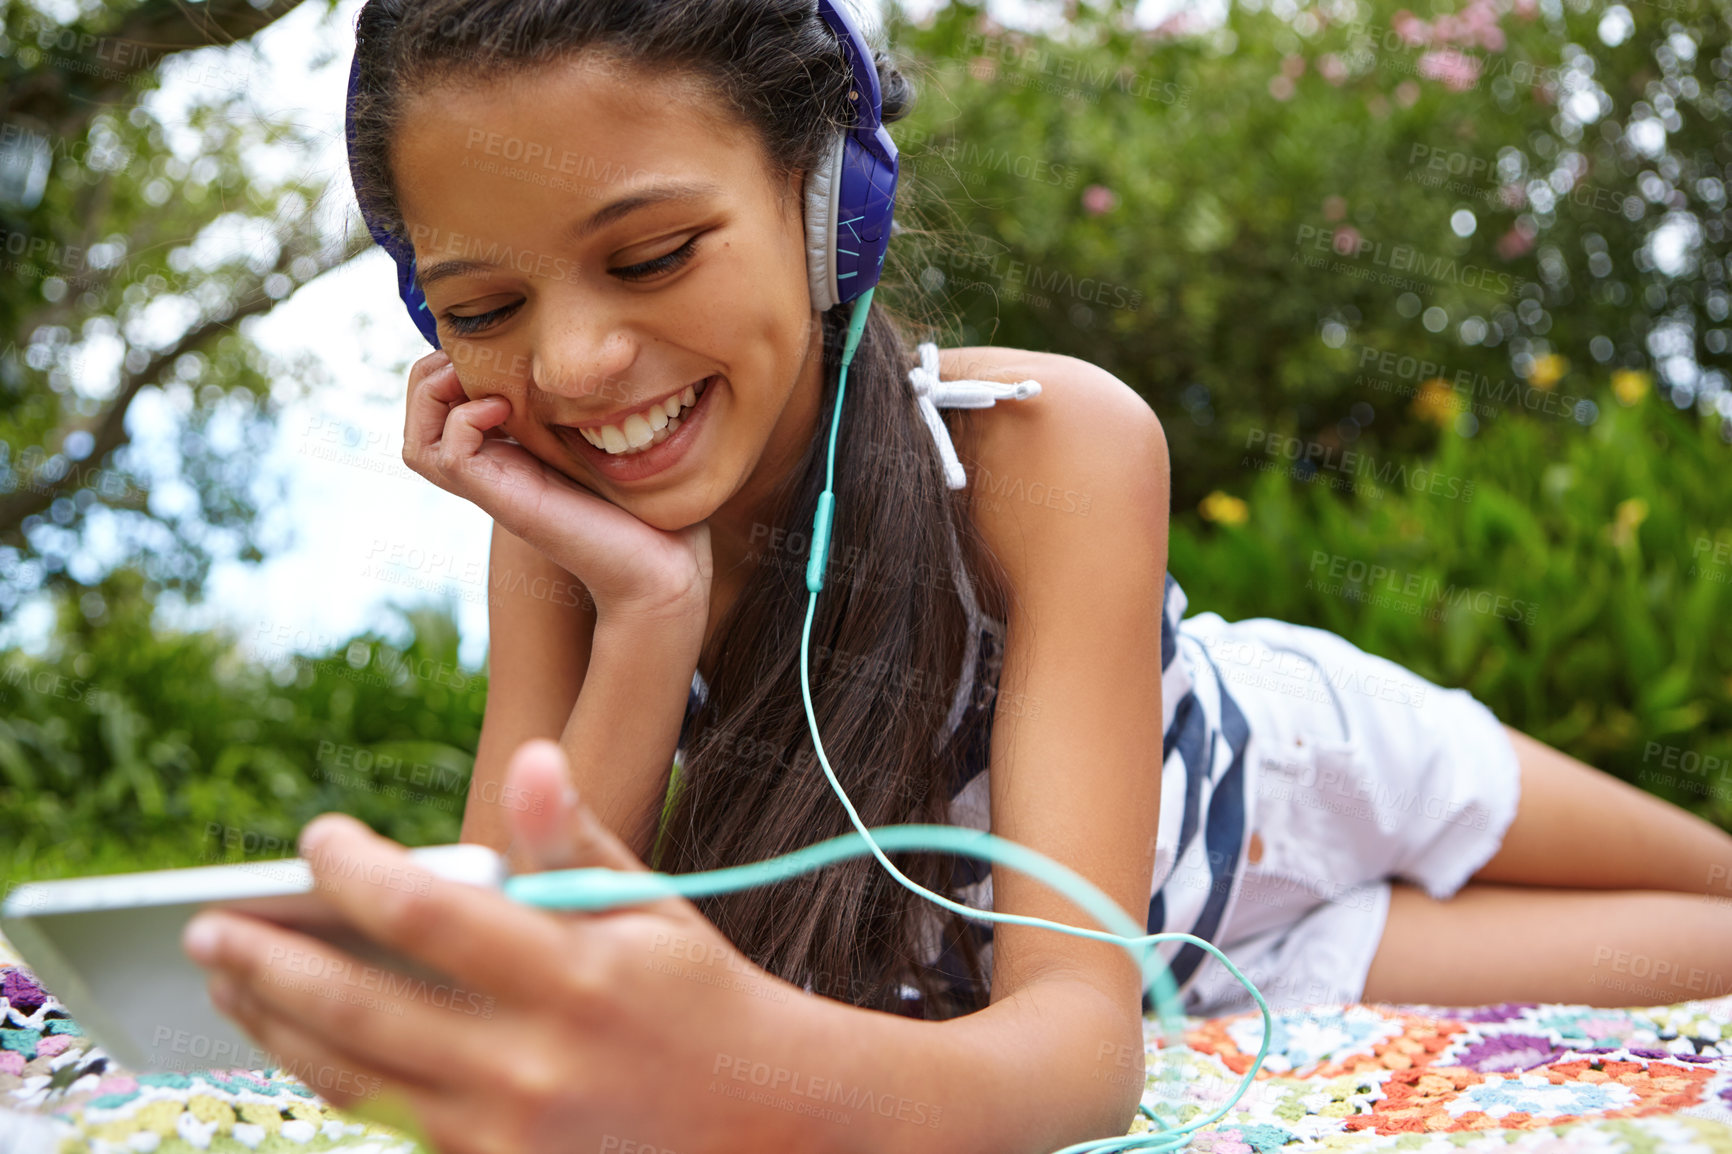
{"x":466,"y":426}
{"x":428,"y":403}
{"x":434,"y":395}
{"x":459,"y":1124}
{"x":559,"y":831}
{"x":481,"y":938}
{"x":404,"y":1027}
{"x":340,"y":1078}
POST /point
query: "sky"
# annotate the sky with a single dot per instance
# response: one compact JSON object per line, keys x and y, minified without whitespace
{"x":361,"y":533}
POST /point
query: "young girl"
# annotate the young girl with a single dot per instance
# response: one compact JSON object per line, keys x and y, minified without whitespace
{"x":606,"y":201}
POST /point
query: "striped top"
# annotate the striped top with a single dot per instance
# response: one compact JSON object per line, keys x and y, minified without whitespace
{"x":1203,"y":833}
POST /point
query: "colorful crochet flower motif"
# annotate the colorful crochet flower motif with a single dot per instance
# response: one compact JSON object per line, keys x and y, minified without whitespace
{"x":21,"y":991}
{"x":1239,"y":1139}
{"x":203,"y":1120}
{"x":1501,"y":1012}
{"x":1321,"y":1043}
{"x":1507,"y":1052}
{"x":1452,"y":1098}
{"x":1595,"y":1026}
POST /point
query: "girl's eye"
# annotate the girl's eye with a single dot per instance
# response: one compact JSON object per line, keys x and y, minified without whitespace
{"x":465,"y":325}
{"x":479,"y":321}
{"x":660,"y":264}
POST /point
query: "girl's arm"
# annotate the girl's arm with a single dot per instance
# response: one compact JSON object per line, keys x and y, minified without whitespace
{"x":1057,"y":1058}
{"x":645,"y":1025}
{"x":618,"y":728}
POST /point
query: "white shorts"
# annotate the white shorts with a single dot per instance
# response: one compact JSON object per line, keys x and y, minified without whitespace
{"x":1359,"y":771}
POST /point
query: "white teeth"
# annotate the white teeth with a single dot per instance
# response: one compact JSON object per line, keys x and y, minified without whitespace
{"x":637,"y":432}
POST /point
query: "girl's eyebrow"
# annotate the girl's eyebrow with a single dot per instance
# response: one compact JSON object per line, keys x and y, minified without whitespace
{"x":679,"y":190}
{"x":602,"y":217}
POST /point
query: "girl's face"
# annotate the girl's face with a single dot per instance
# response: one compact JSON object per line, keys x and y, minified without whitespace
{"x":592,"y":239}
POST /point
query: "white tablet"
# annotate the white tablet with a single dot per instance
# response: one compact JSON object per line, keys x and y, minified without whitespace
{"x":109,"y":948}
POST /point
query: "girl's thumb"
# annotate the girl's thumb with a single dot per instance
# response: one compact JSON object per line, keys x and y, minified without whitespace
{"x":555,"y":829}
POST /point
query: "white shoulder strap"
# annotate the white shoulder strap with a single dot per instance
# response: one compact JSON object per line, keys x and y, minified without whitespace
{"x":931,"y":392}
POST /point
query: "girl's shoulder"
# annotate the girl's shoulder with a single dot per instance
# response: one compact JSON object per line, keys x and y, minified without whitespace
{"x":1063,"y":428}
{"x":1086,"y":442}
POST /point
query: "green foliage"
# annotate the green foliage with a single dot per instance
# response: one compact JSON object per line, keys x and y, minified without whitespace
{"x":133,"y":748}
{"x":1576,"y":591}
{"x":128,"y":271}
{"x":1233,"y":222}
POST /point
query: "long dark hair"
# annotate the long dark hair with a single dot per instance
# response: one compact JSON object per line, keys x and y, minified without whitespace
{"x":890,"y":636}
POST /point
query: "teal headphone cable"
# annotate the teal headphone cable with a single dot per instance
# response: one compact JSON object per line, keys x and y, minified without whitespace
{"x":601,"y":889}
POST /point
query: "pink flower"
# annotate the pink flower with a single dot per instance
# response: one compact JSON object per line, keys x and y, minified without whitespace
{"x":1293,"y":66}
{"x":1410,"y":27}
{"x":1514,"y":243}
{"x":1222,"y":1142}
{"x":1333,"y":70}
{"x":1346,"y":240}
{"x":1280,"y":87}
{"x":1334,"y":208}
{"x":1098,"y":199}
{"x":1456,"y":69}
{"x":1180,"y":24}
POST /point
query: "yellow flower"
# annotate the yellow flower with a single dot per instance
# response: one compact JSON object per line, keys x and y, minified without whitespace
{"x":1547,"y":370}
{"x":1631,"y":385}
{"x":1223,"y":508}
{"x":1632,"y":511}
{"x":1438,"y":403}
{"x":259,"y":1114}
{"x":208,"y":1109}
{"x":158,"y":1116}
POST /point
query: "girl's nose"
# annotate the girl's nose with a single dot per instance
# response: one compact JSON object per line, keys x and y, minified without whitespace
{"x":578,"y":362}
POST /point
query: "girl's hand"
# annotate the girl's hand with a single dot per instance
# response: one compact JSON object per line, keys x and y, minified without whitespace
{"x":556,"y":1031}
{"x":625,"y":564}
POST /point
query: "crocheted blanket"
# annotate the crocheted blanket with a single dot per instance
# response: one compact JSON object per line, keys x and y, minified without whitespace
{"x":1539,"y":1079}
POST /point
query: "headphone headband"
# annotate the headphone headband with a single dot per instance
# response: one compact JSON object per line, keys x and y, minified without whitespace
{"x":402,"y":254}
{"x":859,"y":229}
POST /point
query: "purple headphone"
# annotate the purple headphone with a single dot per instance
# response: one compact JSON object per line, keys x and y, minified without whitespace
{"x":850,"y":196}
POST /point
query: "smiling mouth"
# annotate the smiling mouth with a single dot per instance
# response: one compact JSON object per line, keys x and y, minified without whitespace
{"x":647,"y":427}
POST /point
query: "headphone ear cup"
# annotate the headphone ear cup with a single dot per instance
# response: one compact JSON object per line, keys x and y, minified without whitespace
{"x":823,"y":192}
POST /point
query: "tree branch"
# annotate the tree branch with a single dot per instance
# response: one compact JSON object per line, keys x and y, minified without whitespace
{"x":109,"y":426}
{"x":64,"y":100}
